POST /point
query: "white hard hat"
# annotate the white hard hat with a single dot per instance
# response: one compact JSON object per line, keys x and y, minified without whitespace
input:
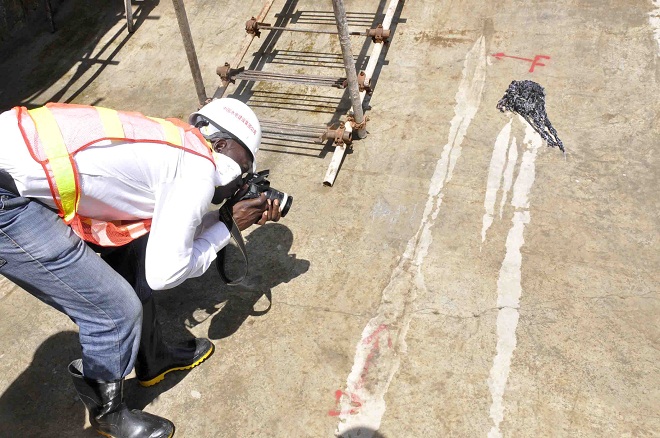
{"x":233,"y":117}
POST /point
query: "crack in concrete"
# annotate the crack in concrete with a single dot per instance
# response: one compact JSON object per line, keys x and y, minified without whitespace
{"x":648,"y":295}
{"x":321,"y":309}
{"x":434,"y":311}
{"x":622,"y":297}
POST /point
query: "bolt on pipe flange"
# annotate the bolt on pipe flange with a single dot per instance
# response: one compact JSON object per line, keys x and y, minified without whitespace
{"x":379,"y":35}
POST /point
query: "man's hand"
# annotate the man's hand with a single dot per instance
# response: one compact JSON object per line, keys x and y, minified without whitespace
{"x":272,"y":214}
{"x":256,"y":211}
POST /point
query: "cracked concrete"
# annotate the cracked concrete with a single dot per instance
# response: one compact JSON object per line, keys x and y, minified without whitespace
{"x":393,"y":313}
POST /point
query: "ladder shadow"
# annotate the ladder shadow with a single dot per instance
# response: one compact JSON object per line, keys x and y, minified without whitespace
{"x":80,"y":29}
{"x":307,"y":59}
{"x":328,"y":17}
{"x":294,"y":101}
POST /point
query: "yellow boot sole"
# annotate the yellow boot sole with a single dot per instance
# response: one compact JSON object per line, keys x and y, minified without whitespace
{"x":160,"y":377}
{"x":110,"y":436}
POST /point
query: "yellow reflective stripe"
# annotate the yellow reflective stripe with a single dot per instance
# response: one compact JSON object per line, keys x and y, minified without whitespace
{"x":172,"y":134}
{"x":66,"y":185}
{"x":111,"y":124}
{"x":58,"y":158}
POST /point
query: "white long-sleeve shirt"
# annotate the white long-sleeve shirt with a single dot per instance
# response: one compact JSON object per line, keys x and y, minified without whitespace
{"x":129,"y":181}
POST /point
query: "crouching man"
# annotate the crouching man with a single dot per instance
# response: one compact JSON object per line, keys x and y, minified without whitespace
{"x":80,"y":180}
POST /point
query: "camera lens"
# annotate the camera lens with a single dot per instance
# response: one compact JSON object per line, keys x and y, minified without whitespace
{"x":285,"y":199}
{"x":285,"y":204}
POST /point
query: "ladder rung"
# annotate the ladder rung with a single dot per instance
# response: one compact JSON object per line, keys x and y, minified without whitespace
{"x":261,"y":76}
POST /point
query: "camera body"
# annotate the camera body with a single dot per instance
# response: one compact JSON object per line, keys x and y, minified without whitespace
{"x":258,"y":184}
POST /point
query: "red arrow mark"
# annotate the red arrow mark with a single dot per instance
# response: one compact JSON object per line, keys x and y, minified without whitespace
{"x":535,"y":62}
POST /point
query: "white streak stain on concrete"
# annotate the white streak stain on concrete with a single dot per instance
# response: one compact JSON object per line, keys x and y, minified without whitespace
{"x":509,"y":288}
{"x":654,"y":20}
{"x":527,"y":172}
{"x":495,"y":171}
{"x":508,"y":173}
{"x":377,"y":355}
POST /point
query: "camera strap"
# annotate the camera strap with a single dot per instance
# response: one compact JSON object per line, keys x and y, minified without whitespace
{"x":7,"y":182}
{"x":227,"y":218}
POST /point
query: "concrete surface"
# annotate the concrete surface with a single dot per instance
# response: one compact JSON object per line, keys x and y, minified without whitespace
{"x":460,"y":278}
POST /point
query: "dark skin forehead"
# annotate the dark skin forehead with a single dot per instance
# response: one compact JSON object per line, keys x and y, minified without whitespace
{"x":236,"y":152}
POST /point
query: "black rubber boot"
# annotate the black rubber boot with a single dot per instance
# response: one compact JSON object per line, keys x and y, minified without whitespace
{"x":156,"y":358}
{"x":108,"y":413}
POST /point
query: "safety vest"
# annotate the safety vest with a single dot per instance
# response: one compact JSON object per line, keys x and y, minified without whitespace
{"x":56,"y":132}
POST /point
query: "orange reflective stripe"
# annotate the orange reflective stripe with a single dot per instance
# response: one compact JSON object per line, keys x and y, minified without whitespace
{"x":58,"y":159}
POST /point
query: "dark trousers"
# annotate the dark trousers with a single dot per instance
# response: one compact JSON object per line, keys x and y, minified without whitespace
{"x":128,"y":261}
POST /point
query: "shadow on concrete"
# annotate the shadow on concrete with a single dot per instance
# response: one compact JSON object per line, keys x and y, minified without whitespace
{"x":31,"y":62}
{"x":198,"y":299}
{"x":186,"y":306}
{"x":304,"y":59}
{"x":361,"y":432}
{"x":182,"y":308}
{"x":42,"y":401}
{"x":139,"y":397}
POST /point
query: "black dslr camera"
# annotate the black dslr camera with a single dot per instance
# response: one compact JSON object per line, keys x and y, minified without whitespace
{"x":258,"y":184}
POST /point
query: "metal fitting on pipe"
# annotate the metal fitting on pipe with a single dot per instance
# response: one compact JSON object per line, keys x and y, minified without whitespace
{"x":355,"y":125}
{"x":362,"y":84}
{"x":228,"y":74}
{"x":339,"y":135}
{"x":379,"y":35}
{"x":252,"y":27}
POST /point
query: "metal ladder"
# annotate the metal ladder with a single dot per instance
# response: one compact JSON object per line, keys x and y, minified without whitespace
{"x":358,"y":85}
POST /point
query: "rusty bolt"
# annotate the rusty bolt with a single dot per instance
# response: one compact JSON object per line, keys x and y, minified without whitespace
{"x":379,"y":35}
{"x":338,"y":135}
{"x":362,"y":77}
{"x":228,"y":74}
{"x":343,"y":137}
{"x":252,"y":27}
{"x":223,"y":72}
{"x":355,"y":125}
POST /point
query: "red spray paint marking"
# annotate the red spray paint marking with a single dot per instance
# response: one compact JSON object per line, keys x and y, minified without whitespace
{"x":374,"y":340}
{"x":535,"y":62}
{"x":356,"y":401}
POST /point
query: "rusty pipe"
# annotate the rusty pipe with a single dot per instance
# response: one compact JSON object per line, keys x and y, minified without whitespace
{"x":188,"y":44}
{"x":349,"y":64}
